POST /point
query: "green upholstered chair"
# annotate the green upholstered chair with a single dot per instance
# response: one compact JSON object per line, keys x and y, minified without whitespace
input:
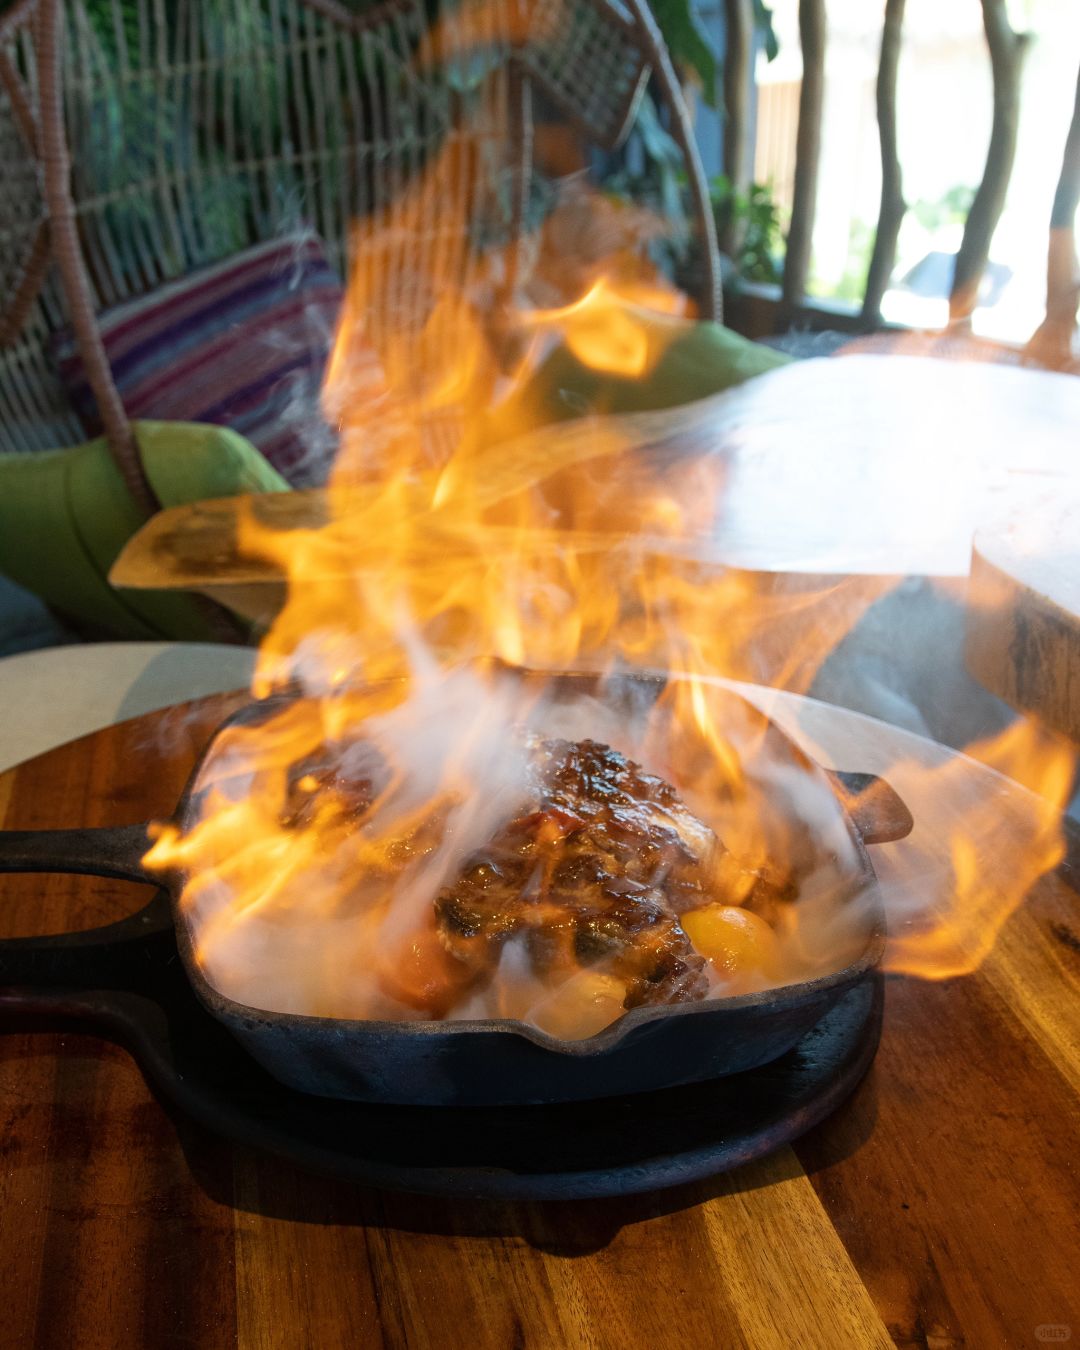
{"x":66,"y":514}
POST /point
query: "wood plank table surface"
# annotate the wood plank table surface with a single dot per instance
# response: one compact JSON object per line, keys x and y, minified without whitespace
{"x":862,"y":465}
{"x":939,"y":1207}
{"x":1023,"y":621}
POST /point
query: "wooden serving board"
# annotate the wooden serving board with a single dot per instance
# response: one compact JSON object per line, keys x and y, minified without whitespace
{"x":1023,"y":618}
{"x":878,"y":466}
{"x":940,"y":1207}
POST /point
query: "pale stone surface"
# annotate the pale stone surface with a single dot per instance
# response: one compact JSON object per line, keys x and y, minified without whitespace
{"x":54,"y":696}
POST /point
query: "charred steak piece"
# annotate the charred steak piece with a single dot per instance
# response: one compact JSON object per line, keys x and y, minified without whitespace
{"x":595,"y":875}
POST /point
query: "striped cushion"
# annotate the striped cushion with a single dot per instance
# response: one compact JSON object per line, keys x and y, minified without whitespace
{"x":241,"y":344}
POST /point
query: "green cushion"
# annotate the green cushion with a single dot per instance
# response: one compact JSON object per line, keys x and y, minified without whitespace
{"x":688,"y":361}
{"x":66,"y":514}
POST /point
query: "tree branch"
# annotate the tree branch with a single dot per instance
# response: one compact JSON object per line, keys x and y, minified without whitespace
{"x":893,"y":206}
{"x":812,"y":36}
{"x":1052,"y":342}
{"x":1007,"y":51}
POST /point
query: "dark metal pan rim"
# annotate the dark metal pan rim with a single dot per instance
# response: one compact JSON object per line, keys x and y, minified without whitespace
{"x":780,"y":996}
{"x":788,"y":995}
{"x":118,"y":852}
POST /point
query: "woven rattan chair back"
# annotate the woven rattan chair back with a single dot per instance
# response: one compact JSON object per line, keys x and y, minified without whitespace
{"x":140,"y":139}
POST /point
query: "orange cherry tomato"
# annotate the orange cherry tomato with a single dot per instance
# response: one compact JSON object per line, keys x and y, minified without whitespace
{"x":736,"y":941}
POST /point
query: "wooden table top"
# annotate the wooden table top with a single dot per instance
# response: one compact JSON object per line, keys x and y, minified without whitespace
{"x":940,"y":1207}
{"x":862,"y":465}
{"x":1023,"y":623}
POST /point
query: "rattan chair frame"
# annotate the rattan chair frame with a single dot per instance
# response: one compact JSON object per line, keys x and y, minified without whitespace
{"x":62,"y":260}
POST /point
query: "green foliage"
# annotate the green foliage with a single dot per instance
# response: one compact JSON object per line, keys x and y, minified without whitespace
{"x":665,"y":157}
{"x":951,"y":208}
{"x":100,"y":16}
{"x":763,"y":21}
{"x":852,"y":285}
{"x":658,"y":178}
{"x":688,"y":45}
{"x":753,"y":218}
{"x":135,"y":126}
{"x":659,"y":184}
{"x":146,"y":123}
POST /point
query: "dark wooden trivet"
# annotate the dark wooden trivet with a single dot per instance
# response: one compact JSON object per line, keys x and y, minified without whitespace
{"x":128,"y":983}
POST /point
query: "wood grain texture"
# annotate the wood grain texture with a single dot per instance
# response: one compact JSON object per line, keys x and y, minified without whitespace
{"x":940,"y":1208}
{"x":877,"y":465}
{"x":1023,"y":628}
{"x":1045,"y":936}
{"x":746,"y":1258}
{"x":108,"y":1238}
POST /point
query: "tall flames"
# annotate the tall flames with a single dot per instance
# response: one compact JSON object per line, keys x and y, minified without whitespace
{"x":473,"y":551}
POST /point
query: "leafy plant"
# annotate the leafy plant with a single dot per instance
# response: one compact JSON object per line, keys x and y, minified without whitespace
{"x":852,"y":284}
{"x":651,"y":173}
{"x":951,"y":208}
{"x":763,"y":21}
{"x":649,"y":169}
{"x":756,"y":218}
{"x":688,"y":45}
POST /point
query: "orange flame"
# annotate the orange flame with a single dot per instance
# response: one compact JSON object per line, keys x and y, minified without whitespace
{"x":467,"y":540}
{"x":994,"y":835}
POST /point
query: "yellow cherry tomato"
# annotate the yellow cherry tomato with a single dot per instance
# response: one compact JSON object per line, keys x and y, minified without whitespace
{"x":580,"y":1006}
{"x":735,"y":940}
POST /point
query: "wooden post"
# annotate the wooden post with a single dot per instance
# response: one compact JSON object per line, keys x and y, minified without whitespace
{"x":893,"y":206}
{"x":812,"y":35}
{"x":1052,"y":342}
{"x":738,"y":53}
{"x":1006,"y":60}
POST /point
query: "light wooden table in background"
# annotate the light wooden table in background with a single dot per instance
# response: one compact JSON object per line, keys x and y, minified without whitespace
{"x":1023,"y":626}
{"x":873,"y":466}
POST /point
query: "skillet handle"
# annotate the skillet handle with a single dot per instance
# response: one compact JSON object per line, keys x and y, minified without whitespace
{"x":99,"y":956}
{"x":113,"y":956}
{"x":878,"y":811}
{"x":113,"y":851}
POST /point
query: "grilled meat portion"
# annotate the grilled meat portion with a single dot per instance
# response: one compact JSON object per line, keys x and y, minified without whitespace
{"x":593,"y":871}
{"x":596,"y":874}
{"x":320,"y":784}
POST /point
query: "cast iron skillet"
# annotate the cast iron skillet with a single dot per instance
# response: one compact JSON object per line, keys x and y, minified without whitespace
{"x":475,"y":1063}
